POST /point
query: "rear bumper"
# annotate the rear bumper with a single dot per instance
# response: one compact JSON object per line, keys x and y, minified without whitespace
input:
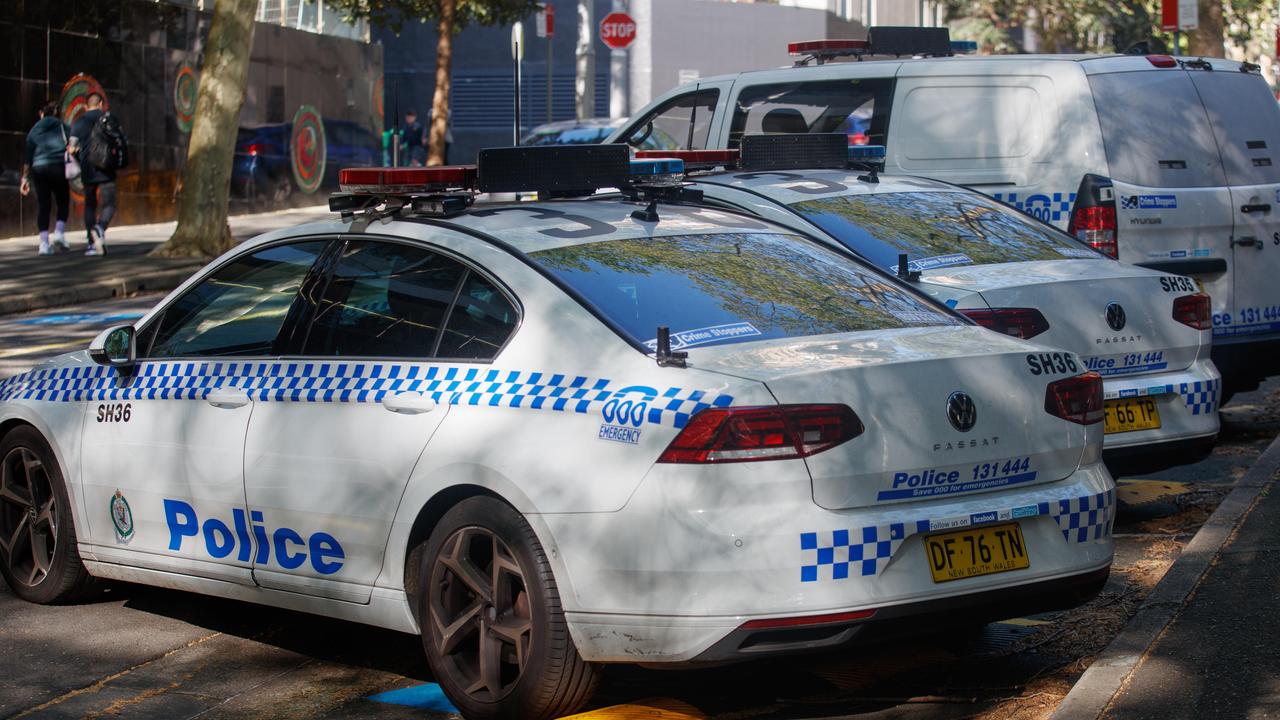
{"x":1187,"y":401}
{"x":913,"y":619}
{"x":691,"y":558}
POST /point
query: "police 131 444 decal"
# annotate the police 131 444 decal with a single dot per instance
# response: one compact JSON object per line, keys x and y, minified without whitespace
{"x":945,"y":481}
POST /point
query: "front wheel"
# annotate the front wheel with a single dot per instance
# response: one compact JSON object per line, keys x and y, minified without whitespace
{"x":492,"y":626}
{"x":38,"y":555}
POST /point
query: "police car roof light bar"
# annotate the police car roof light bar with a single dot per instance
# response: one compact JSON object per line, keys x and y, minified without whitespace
{"x":554,"y":170}
{"x":408,"y":180}
{"x":823,"y":51}
{"x":695,"y":159}
{"x":964,"y":47}
{"x":795,"y":151}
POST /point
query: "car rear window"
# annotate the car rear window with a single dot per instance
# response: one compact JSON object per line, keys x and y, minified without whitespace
{"x":725,"y":288}
{"x":1155,"y":130}
{"x":937,"y":229}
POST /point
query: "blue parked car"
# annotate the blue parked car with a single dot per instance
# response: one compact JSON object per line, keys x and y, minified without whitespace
{"x":262,"y":172}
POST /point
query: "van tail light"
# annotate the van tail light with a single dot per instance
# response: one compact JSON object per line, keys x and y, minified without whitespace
{"x":1162,"y":61}
{"x":1096,"y":227}
{"x":253,"y":149}
{"x":1093,"y":219}
{"x":1019,"y":322}
{"x":775,"y":432}
{"x":1077,"y":399}
{"x":1193,"y":310}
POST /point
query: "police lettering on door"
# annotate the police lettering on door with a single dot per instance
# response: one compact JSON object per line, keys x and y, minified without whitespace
{"x":286,"y":547}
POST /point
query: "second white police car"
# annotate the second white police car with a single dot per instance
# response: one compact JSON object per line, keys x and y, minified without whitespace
{"x":1148,"y":333}
{"x":472,"y":423}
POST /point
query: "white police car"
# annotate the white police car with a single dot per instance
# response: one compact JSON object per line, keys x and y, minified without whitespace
{"x":472,"y":423}
{"x":1148,"y":333}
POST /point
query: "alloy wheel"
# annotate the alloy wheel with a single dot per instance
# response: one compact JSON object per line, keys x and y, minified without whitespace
{"x":28,"y":517}
{"x":480,"y":613}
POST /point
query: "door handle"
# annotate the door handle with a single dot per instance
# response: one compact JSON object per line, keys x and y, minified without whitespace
{"x":227,"y":398}
{"x":1247,"y":242}
{"x":408,"y":403}
{"x":1257,"y":207}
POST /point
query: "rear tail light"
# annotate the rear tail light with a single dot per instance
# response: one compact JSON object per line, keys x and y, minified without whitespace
{"x":1096,"y":226}
{"x":747,"y":434}
{"x":1019,"y":322}
{"x":1193,"y":310}
{"x":1077,"y":399}
{"x":1162,"y":61}
{"x":253,"y":149}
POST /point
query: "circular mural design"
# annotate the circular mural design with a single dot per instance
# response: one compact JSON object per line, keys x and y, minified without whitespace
{"x":377,"y":102}
{"x":307,"y":149}
{"x":184,"y":97}
{"x":71,"y":105}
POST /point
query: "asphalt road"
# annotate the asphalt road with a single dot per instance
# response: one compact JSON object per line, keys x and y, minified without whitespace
{"x":134,"y":651}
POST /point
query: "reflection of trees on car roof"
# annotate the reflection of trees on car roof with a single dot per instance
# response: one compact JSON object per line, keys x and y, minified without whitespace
{"x":932,"y":224}
{"x":781,"y":284}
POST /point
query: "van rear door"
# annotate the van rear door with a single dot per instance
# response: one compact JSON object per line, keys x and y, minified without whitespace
{"x":1173,"y":206}
{"x":1246,"y":122}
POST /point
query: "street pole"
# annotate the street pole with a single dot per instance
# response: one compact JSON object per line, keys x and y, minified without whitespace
{"x":584,"y":80}
{"x":619,"y":74}
{"x":517,"y":52}
{"x":551,"y":43}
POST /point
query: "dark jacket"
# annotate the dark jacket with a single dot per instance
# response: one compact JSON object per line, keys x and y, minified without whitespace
{"x":89,"y":173}
{"x":46,"y":142}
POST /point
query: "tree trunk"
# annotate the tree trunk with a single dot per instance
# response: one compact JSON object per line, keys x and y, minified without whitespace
{"x":206,"y":179}
{"x":1206,"y":40}
{"x":444,"y":73}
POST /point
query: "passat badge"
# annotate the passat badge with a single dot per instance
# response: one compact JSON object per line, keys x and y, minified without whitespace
{"x":121,"y":516}
{"x":1115,"y":316}
{"x":961,"y":411}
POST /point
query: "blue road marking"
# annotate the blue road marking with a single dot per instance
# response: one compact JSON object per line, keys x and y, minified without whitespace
{"x":423,"y":697}
{"x":81,"y":318}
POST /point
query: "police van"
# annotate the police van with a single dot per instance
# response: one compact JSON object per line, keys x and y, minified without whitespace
{"x":1169,"y":163}
{"x":550,"y":435}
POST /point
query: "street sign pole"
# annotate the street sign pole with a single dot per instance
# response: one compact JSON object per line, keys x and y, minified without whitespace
{"x":546,"y":27}
{"x":517,"y":52}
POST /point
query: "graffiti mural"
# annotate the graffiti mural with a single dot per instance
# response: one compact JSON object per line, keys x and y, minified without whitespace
{"x":185,"y":85}
{"x":307,"y":149}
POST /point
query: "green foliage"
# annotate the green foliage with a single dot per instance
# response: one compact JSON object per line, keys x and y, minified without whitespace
{"x":1089,"y":25}
{"x":395,"y":13}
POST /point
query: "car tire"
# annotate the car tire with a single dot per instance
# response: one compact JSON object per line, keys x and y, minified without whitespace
{"x":492,"y":625}
{"x":34,"y":511}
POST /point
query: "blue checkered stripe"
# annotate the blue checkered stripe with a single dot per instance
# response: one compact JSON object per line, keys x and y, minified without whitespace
{"x":1048,"y":208}
{"x":1086,"y":518}
{"x":331,"y":382}
{"x":865,"y":552}
{"x":1201,"y":396}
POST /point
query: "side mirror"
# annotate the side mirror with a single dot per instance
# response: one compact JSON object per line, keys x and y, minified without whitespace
{"x":115,"y":346}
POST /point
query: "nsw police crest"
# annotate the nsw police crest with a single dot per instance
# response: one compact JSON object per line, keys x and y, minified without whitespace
{"x":121,"y":516}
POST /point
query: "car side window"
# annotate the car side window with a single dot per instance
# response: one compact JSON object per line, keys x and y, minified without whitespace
{"x":481,"y":321}
{"x":240,"y":308}
{"x":858,"y":107}
{"x":681,"y":123}
{"x":384,"y":300}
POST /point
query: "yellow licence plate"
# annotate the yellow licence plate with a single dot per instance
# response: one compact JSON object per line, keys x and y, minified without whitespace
{"x":976,"y":551}
{"x":1129,"y":414}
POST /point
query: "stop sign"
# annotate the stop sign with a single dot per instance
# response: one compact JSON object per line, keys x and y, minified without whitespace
{"x":617,"y":30}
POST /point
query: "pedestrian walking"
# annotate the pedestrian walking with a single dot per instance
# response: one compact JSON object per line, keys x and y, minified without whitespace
{"x":415,"y":140}
{"x":45,"y":167}
{"x":102,"y":148}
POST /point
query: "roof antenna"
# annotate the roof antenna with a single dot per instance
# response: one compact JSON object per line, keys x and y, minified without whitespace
{"x":649,"y":214}
{"x":871,"y":176}
{"x":666,"y":356}
{"x":904,"y":269}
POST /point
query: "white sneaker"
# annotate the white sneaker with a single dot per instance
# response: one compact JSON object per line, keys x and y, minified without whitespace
{"x":92,"y":250}
{"x":60,"y":242}
{"x":44,"y":248}
{"x":99,"y":246}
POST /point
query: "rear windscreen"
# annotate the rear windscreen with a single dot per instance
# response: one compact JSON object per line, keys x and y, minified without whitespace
{"x":937,"y":229}
{"x":734,"y":287}
{"x":1155,"y":129}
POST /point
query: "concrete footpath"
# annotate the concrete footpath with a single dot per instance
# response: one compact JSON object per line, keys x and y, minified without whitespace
{"x":31,"y":282}
{"x":1206,"y":642}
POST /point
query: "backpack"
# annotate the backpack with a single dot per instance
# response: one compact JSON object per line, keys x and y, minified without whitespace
{"x":108,"y":145}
